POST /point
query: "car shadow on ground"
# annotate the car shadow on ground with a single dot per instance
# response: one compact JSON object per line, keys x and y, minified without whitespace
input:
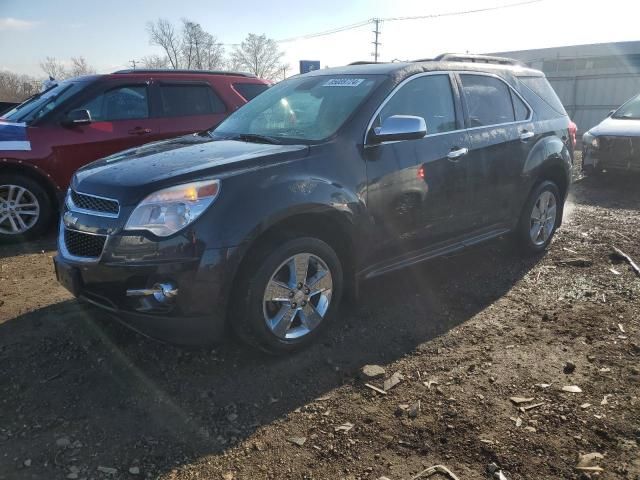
{"x":46,"y":243}
{"x":615,"y":190}
{"x":68,"y":371}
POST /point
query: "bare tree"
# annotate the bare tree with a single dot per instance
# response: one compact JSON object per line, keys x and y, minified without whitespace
{"x":54,"y":68}
{"x":16,"y":88}
{"x":212,"y":54}
{"x":200,"y":50}
{"x":259,"y":55}
{"x":154,"y":61}
{"x":80,"y":66}
{"x":162,"y":34}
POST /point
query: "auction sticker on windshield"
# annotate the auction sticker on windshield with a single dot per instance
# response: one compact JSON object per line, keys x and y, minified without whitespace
{"x":343,"y":82}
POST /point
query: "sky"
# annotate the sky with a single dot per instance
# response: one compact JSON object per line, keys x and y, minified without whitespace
{"x":109,"y":34}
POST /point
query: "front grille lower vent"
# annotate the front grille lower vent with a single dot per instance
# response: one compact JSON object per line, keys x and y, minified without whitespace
{"x":82,"y":244}
{"x":95,"y":204}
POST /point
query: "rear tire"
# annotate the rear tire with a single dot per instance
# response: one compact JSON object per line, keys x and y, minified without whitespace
{"x":540,"y":217}
{"x":278,"y":308}
{"x":25,"y":208}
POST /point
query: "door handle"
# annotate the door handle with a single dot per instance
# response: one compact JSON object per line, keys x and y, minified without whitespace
{"x":526,"y":135}
{"x":139,"y":131}
{"x":456,"y":153}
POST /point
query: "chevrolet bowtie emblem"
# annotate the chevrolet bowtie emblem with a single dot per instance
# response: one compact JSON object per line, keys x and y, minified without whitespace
{"x":69,"y":220}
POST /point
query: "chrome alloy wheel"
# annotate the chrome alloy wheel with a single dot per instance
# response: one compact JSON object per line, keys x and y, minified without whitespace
{"x":297,"y":296}
{"x":19,"y":209}
{"x":543,"y":218}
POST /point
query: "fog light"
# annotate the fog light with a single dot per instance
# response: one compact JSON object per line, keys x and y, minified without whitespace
{"x":164,"y":293}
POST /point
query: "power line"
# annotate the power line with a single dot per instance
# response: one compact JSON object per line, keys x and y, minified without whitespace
{"x":327,"y":32}
{"x":464,"y":12}
{"x":377,"y":21}
{"x":395,"y":19}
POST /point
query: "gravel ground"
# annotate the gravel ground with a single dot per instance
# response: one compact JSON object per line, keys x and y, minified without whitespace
{"x":82,"y":397}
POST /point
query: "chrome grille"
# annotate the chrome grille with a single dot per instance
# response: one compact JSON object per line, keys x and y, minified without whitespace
{"x":82,"y":244}
{"x":95,"y":204}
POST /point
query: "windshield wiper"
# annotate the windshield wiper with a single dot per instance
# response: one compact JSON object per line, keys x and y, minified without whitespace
{"x":255,"y":138}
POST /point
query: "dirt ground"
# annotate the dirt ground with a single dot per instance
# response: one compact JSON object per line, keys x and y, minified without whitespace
{"x":82,"y":397}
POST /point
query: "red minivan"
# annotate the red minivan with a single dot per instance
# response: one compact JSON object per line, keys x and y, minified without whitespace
{"x":44,"y":140}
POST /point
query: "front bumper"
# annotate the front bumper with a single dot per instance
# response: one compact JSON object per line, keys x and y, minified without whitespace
{"x":202,"y":276}
{"x":613,"y":153}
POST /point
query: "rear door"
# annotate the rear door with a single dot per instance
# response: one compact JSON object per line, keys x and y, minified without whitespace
{"x":501,"y":134}
{"x":121,"y":118}
{"x":417,"y":188}
{"x":188,"y":107}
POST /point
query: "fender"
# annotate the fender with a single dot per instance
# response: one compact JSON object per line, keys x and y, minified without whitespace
{"x":281,"y":199}
{"x":549,"y":152}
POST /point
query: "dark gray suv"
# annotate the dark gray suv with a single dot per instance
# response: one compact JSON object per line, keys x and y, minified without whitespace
{"x":323,"y":181}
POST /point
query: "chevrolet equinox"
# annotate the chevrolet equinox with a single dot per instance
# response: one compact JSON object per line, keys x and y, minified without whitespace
{"x":323,"y":181}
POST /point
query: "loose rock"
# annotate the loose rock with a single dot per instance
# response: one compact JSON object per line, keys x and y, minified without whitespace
{"x":300,"y":441}
{"x":373,"y":371}
{"x":108,"y":470}
{"x":569,"y":368}
{"x":572,"y":389}
{"x":63,"y":442}
{"x":391,"y":382}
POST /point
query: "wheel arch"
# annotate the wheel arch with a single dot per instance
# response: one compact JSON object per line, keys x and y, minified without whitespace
{"x":549,"y":160}
{"x":10,"y":167}
{"x":329,"y":225}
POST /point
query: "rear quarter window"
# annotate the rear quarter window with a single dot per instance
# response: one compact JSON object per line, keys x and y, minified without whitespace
{"x":541,"y":88}
{"x":250,"y":90}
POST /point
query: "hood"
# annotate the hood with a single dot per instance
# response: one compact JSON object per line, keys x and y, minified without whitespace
{"x":132,"y":174}
{"x":617,"y":127}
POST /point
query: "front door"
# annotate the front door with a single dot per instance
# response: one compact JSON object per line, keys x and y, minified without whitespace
{"x":417,"y":190}
{"x":120,"y":119}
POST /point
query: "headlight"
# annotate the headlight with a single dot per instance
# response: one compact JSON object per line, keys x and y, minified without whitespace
{"x":168,"y":211}
{"x":592,"y":141}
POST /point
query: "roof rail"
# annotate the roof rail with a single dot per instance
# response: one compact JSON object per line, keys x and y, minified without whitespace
{"x":364,"y":62}
{"x":177,"y":70}
{"x":472,"y":58}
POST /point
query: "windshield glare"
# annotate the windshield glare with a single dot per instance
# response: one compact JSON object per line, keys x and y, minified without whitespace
{"x":630,"y":110}
{"x":43,"y":103}
{"x":301,"y":109}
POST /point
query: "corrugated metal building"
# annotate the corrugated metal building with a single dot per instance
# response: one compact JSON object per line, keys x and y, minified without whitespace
{"x":591,"y":80}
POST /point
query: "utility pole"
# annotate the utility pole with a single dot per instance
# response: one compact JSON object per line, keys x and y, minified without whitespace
{"x":133,"y":63}
{"x":376,"y":43}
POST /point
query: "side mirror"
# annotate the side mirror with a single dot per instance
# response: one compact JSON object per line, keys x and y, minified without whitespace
{"x":399,"y":127}
{"x":77,"y":117}
{"x":611,"y":113}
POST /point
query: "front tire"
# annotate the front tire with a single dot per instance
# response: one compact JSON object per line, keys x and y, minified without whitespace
{"x":25,"y":208}
{"x":288,"y":295}
{"x":540,"y":218}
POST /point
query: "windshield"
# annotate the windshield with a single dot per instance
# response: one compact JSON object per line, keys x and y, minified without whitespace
{"x":42,"y":103}
{"x":630,"y":110}
{"x":307,"y":109}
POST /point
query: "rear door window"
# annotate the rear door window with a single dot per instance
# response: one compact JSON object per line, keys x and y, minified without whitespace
{"x":250,"y":90}
{"x":121,"y":103}
{"x":179,"y":100}
{"x":429,"y":97}
{"x":488,"y":101}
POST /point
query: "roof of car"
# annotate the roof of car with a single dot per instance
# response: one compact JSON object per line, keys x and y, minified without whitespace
{"x":184,"y":71}
{"x":443,"y":62}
